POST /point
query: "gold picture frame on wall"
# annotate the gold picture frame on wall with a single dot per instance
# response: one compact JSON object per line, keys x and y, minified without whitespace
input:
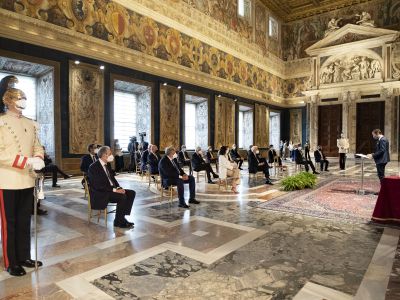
{"x":169,"y":116}
{"x":86,"y":107}
{"x":224,"y":130}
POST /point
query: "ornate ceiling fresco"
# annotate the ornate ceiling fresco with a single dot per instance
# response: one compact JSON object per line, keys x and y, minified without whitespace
{"x":291,"y":10}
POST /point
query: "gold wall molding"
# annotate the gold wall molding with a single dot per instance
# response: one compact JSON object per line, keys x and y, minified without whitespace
{"x":224,"y":130}
{"x":86,"y":107}
{"x":261,"y":128}
{"x":296,"y":131}
{"x":189,"y":20}
{"x":169,"y":117}
{"x":37,"y":32}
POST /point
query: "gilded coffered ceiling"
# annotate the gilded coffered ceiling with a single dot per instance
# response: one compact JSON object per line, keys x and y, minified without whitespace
{"x":291,"y":10}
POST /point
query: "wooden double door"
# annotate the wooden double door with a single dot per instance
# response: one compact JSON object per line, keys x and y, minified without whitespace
{"x":329,"y":128}
{"x":370,"y":116}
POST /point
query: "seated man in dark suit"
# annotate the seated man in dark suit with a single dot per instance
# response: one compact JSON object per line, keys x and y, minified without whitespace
{"x":144,"y":159}
{"x":199,"y":164}
{"x":88,"y":159}
{"x":256,"y":163}
{"x":54,"y":169}
{"x":184,"y":158}
{"x":104,"y":188}
{"x":153,"y":159}
{"x":172,"y":174}
{"x":235,"y":156}
{"x":273,"y":156}
{"x":210,"y":158}
{"x":300,"y":160}
{"x":321,"y":158}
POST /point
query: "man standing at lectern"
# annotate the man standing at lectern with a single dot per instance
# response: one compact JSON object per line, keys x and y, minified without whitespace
{"x":381,"y":155}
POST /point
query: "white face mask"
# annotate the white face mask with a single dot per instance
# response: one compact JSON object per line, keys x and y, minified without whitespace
{"x":184,"y":149}
{"x":200,"y":152}
{"x":175,"y":155}
{"x":20,"y":105}
{"x":96,"y":151}
{"x":110,"y":158}
{"x":258,"y":152}
{"x":299,"y":148}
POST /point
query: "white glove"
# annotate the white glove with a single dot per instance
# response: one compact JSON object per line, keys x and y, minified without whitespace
{"x":35,"y":163}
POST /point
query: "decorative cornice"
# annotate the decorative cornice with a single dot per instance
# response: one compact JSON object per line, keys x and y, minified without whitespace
{"x":37,"y":32}
{"x":188,"y":20}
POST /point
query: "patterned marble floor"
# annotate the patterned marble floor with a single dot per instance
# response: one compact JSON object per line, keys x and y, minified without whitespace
{"x":227,"y":247}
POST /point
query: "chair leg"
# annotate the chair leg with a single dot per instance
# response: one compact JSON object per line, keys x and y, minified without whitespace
{"x":197,"y":177}
{"x":105,"y":216}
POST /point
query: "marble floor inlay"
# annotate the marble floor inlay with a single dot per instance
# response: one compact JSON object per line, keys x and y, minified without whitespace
{"x":263,"y":243}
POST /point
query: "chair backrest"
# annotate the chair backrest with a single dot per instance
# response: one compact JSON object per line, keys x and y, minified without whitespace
{"x":87,"y":189}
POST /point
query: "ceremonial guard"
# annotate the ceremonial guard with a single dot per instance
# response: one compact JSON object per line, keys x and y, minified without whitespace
{"x":21,"y":154}
{"x":343,"y":145}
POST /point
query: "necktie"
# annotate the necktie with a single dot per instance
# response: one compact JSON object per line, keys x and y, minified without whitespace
{"x":176,"y":167}
{"x":108,"y":175}
{"x":94,"y":158}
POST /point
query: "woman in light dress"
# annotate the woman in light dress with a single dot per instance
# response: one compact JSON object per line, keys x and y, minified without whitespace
{"x":228,"y":169}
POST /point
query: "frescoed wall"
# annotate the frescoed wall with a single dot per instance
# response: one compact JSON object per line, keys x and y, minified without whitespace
{"x":111,"y":22}
{"x":299,"y":35}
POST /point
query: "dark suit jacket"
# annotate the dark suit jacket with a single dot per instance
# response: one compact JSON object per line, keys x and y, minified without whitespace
{"x":181,"y":156}
{"x":318,"y":156}
{"x":271,"y":155}
{"x":381,"y":155}
{"x":100,"y":187}
{"x":298,"y":156}
{"x":234,"y":154}
{"x":210,"y":158}
{"x":144,"y":159}
{"x":86,"y":161}
{"x":253,"y":162}
{"x":168,"y":172}
{"x":153,"y":160}
{"x":47,"y":160}
{"x":197,"y":161}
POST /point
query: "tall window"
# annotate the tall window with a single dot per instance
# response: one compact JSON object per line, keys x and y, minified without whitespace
{"x":190,"y":125}
{"x":274,"y":129}
{"x":245,"y":126}
{"x":28,"y":85}
{"x":273,"y":28}
{"x":244,"y":9}
{"x":124,"y":117}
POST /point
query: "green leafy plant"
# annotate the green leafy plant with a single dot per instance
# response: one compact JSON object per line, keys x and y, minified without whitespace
{"x":303,"y":180}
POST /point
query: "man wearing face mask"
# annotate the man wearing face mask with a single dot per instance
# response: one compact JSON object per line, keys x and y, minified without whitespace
{"x":172,"y":174}
{"x":343,"y":145}
{"x":210,"y":158}
{"x":235,"y":156}
{"x":321,"y":158}
{"x":381,"y":155}
{"x":300,"y":160}
{"x":184,"y":159}
{"x":199,"y":164}
{"x":104,"y":188}
{"x":21,"y":155}
{"x":256,"y":163}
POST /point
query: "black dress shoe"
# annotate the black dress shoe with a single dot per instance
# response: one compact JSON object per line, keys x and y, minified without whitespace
{"x":211,"y":182}
{"x":215,"y":176}
{"x":194,"y":201}
{"x":269,"y":182}
{"x":16,"y":271}
{"x":316,"y":173}
{"x":184,"y":205}
{"x":326,"y":170}
{"x":67,"y":176}
{"x":122,"y":225}
{"x":30,"y":263}
{"x":130,"y":223}
{"x":41,"y":212}
{"x":56,"y":186}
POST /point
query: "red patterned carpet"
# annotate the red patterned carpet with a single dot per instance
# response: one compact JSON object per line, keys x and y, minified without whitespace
{"x":332,"y":199}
